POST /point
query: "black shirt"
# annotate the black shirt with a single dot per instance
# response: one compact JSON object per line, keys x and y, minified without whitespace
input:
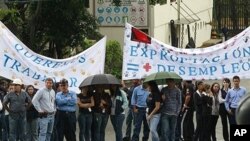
{"x":84,"y":99}
{"x":102,"y":96}
{"x":152,"y":98}
{"x":189,"y":91}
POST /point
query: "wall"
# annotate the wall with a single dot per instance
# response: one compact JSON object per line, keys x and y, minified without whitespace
{"x":159,"y":18}
{"x":163,"y":14}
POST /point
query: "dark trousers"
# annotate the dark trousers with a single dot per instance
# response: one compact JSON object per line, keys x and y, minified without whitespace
{"x":213,"y":122}
{"x":129,"y":121}
{"x":188,"y":125}
{"x":4,"y":119}
{"x":117,"y":122}
{"x":224,"y":120}
{"x":232,"y":119}
{"x":100,"y":122}
{"x":66,"y":125}
{"x":85,"y":122}
{"x":198,"y":130}
{"x":205,"y":131}
{"x":139,"y":118}
{"x":17,"y":121}
{"x":178,"y":129}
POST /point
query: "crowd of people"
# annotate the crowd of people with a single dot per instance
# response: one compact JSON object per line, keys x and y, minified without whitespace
{"x":49,"y":113}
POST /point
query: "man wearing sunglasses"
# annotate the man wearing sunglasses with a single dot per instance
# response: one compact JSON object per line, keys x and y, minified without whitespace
{"x":66,"y":106}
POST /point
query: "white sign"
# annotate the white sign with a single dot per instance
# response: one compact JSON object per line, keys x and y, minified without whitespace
{"x":18,"y":61}
{"x":216,"y":62}
{"x":132,"y":11}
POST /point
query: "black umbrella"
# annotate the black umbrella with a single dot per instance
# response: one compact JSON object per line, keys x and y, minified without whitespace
{"x":99,"y":79}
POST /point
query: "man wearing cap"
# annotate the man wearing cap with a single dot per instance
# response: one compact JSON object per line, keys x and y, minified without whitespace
{"x":66,"y":101}
{"x":18,"y":101}
{"x":44,"y":102}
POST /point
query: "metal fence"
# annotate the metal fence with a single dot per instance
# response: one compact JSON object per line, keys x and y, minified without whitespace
{"x":233,"y":15}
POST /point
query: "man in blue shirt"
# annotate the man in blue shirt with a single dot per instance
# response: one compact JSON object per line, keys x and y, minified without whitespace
{"x":66,"y":106}
{"x":139,"y":104}
{"x":233,"y":98}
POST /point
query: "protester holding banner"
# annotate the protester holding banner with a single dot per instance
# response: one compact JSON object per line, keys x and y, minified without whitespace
{"x":44,"y":102}
{"x":233,"y":98}
{"x":32,"y":117}
{"x":66,"y":111}
{"x":222,"y":110}
{"x":170,"y":110}
{"x":85,"y":103}
{"x":119,"y":104}
{"x":18,"y":102}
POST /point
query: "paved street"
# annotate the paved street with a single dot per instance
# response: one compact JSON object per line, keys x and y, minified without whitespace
{"x":110,"y":135}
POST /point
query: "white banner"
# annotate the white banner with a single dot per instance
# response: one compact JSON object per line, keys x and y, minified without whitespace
{"x":216,"y":62}
{"x":18,"y":61}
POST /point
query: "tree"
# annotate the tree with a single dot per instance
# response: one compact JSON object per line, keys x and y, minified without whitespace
{"x":51,"y":27}
{"x":64,"y":23}
{"x":54,"y":28}
{"x":113,"y":60}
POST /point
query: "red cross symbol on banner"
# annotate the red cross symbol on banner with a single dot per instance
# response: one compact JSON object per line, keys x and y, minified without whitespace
{"x":147,"y":67}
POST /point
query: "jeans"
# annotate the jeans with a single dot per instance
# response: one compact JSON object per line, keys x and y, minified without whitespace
{"x":5,"y":126}
{"x":100,"y":122}
{"x":117,"y":122}
{"x":140,"y":117}
{"x":46,"y":127}
{"x":85,"y":121}
{"x":153,"y":124}
{"x":17,"y":121}
{"x":168,"y":123}
{"x":54,"y":135}
{"x":2,"y":125}
{"x":129,"y":121}
{"x":32,"y":130}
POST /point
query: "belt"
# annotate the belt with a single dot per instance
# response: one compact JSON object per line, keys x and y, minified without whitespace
{"x":52,"y":113}
{"x":66,"y":112}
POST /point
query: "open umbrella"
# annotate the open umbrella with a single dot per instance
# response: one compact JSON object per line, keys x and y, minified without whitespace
{"x":99,"y":79}
{"x":160,"y":77}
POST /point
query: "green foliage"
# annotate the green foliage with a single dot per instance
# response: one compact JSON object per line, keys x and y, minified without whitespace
{"x":52,"y":27}
{"x":151,"y":2}
{"x":154,"y":2}
{"x":64,"y":23}
{"x":11,"y":18}
{"x":116,"y":2}
{"x":113,"y":60}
